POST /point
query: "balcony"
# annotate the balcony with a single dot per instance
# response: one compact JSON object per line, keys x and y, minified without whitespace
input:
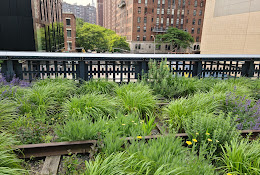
{"x":159,"y":30}
{"x":122,"y":4}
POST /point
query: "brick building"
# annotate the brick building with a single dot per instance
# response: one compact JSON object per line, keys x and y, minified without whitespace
{"x":31,"y":25}
{"x":69,"y":23}
{"x":87,"y":13}
{"x":99,"y":12}
{"x":141,"y":20}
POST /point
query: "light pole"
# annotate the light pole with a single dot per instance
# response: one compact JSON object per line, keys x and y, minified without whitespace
{"x":153,"y":43}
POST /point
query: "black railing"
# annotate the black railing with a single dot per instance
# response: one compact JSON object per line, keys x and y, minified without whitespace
{"x":123,"y":67}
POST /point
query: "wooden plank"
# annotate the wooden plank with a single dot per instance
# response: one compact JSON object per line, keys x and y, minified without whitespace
{"x":51,"y":165}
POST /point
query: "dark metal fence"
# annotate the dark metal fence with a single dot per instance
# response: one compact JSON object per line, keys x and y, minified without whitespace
{"x":123,"y":67}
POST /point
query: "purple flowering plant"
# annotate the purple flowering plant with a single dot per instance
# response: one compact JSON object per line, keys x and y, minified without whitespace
{"x":246,"y":111}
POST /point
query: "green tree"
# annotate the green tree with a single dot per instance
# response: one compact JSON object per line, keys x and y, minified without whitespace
{"x":177,"y":38}
{"x":95,"y":37}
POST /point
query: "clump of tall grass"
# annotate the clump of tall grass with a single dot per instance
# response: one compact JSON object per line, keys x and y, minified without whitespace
{"x":162,"y":156}
{"x":179,"y":110}
{"x":99,"y":86}
{"x":241,"y":157}
{"x":91,"y":104}
{"x":208,"y":131}
{"x":9,"y":163}
{"x":136,"y":97}
{"x":8,"y":112}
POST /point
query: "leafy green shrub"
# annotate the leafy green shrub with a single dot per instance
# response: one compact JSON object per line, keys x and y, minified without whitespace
{"x":178,"y":110}
{"x":9,"y":163}
{"x":170,"y":85}
{"x":100,"y":86}
{"x":241,"y":157}
{"x":209,"y":131}
{"x":136,"y":97}
{"x":91,"y":104}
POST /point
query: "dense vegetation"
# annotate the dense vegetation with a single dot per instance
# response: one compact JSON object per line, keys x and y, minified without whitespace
{"x":95,"y":37}
{"x":210,"y":111}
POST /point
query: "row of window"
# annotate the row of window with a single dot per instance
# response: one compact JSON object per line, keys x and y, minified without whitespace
{"x":192,"y":29}
{"x":167,"y":47}
{"x":168,"y":21}
{"x":170,"y":11}
{"x":151,"y":38}
{"x":174,"y":1}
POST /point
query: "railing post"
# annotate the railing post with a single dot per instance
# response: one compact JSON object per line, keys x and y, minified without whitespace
{"x":248,"y":69}
{"x":197,"y":69}
{"x":82,"y":70}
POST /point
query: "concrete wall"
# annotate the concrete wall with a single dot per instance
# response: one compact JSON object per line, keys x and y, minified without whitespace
{"x":231,"y":27}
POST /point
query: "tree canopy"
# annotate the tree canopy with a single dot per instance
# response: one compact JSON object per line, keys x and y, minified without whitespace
{"x":178,"y":38}
{"x":95,"y":37}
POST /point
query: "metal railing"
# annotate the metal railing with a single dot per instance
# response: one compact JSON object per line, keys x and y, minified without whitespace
{"x":123,"y":67}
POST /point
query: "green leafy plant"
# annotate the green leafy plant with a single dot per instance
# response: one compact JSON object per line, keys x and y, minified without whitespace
{"x":100,"y":86}
{"x":72,"y":164}
{"x":136,"y":97}
{"x":208,"y":131}
{"x":8,"y":112}
{"x":241,"y":157}
{"x":91,"y":104}
{"x":178,"y":110}
{"x":9,"y":163}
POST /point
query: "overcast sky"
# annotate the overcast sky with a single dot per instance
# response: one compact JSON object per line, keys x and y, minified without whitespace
{"x":80,"y":2}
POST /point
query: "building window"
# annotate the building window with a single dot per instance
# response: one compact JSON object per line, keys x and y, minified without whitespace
{"x":158,"y":11}
{"x":139,"y":9}
{"x":69,"y":45}
{"x":138,"y":19}
{"x":159,"y":2}
{"x":178,"y":12}
{"x":161,"y":20}
{"x":168,"y":11}
{"x":192,"y":30}
{"x":199,"y":22}
{"x":172,"y":21}
{"x":195,"y":3}
{"x":181,"y":21}
{"x":194,"y":12}
{"x":138,"y":38}
{"x":167,"y":21}
{"x":157,"y":21}
{"x":187,"y":20}
{"x":139,"y":46}
{"x":136,"y":46}
{"x":197,"y":39}
{"x":193,"y":21}
{"x":163,"y":1}
{"x":158,"y":47}
{"x":152,"y":10}
{"x":201,"y":3}
{"x":198,"y":31}
{"x":182,"y":12}
{"x":177,"y":22}
{"x":152,"y":19}
{"x":200,"y":12}
{"x":139,"y":1}
{"x":145,"y":19}
{"x":162,"y":11}
{"x":172,"y":11}
{"x":144,"y":38}
{"x":69,"y":33}
{"x":138,"y":28}
{"x":145,"y":10}
{"x":145,"y":2}
{"x":68,"y":22}
{"x":144,"y":28}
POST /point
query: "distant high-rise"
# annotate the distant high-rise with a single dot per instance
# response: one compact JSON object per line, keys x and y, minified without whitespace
{"x":140,"y":20}
{"x":87,"y":13}
{"x":100,"y":12}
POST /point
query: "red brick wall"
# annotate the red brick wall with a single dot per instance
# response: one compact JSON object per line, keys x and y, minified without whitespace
{"x":73,"y":31}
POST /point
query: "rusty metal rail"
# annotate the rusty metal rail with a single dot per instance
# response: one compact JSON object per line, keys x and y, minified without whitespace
{"x":63,"y":148}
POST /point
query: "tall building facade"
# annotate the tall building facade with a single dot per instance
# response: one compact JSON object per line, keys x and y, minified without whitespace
{"x":87,"y":13}
{"x":100,"y":12}
{"x":31,"y":25}
{"x":69,"y":23}
{"x":231,"y":27}
{"x":141,"y":20}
